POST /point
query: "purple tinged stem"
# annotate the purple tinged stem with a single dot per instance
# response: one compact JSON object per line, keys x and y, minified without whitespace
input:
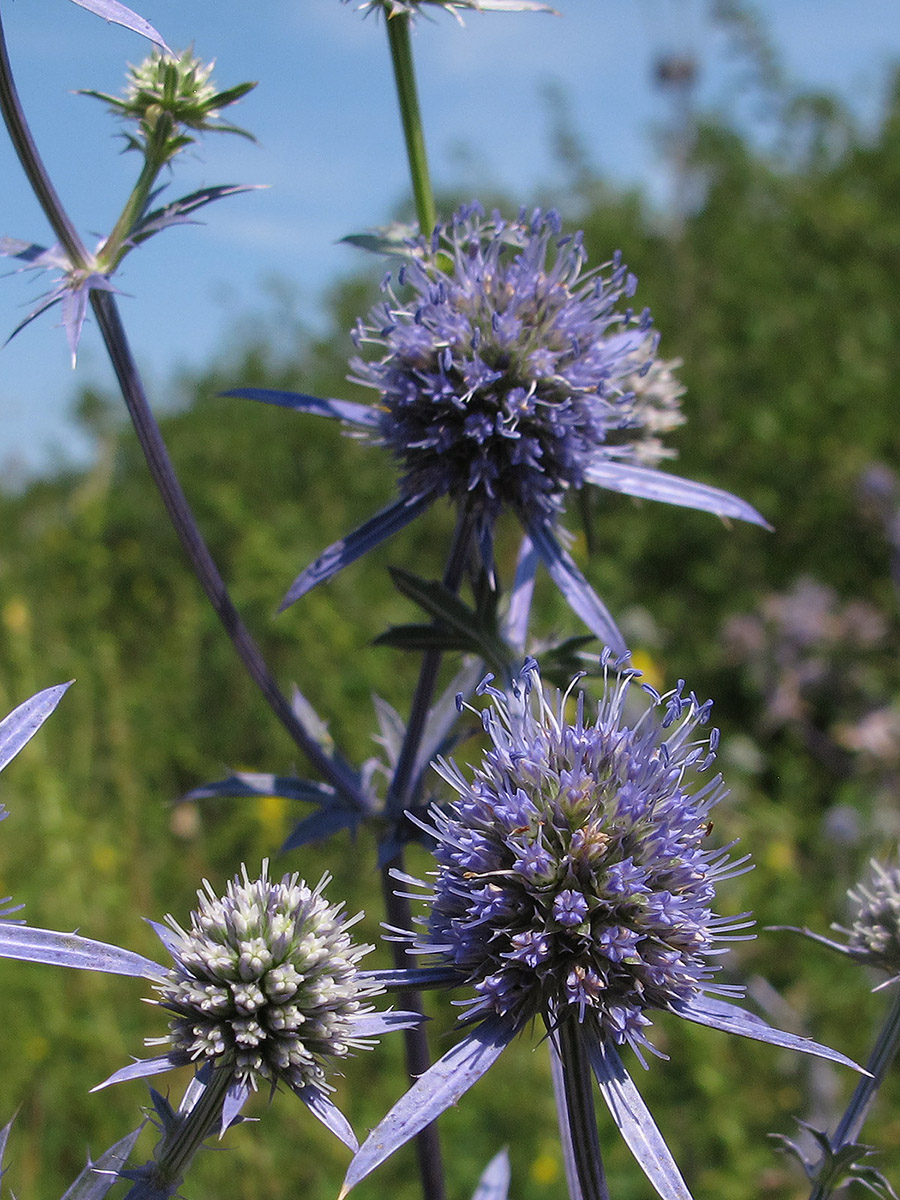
{"x":32,"y":164}
{"x":179,"y":512}
{"x":152,"y":444}
{"x":578,"y":1132}
{"x":880,"y":1060}
{"x":397,"y":908}
{"x":565,"y":1129}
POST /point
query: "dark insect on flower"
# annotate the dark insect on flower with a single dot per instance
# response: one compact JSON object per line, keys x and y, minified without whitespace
{"x":505,"y":372}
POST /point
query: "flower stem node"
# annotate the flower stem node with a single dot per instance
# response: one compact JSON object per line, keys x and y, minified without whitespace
{"x":166,"y":95}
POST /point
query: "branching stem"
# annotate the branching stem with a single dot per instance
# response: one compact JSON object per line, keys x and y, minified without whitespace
{"x":153,"y":446}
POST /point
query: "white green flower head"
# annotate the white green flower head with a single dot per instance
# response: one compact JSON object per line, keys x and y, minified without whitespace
{"x":264,"y":987}
{"x":168,"y":94}
{"x":266,"y":980}
{"x":873,"y":937}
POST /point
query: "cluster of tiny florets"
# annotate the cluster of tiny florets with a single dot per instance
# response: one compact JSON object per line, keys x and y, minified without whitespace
{"x":572,"y":876}
{"x":655,"y":404}
{"x":265,"y":981}
{"x":503,"y":362}
{"x":874,"y":936}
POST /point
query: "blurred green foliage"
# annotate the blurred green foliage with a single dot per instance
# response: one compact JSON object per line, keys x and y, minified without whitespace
{"x":780,"y":293}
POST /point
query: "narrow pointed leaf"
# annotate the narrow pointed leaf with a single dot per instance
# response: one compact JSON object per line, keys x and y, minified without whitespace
{"x":731,"y":1019}
{"x":649,"y":484}
{"x":395,"y":239}
{"x":17,"y":729}
{"x":70,"y":950}
{"x":118,"y":14}
{"x":443,"y":715}
{"x":317,"y":729}
{"x":425,"y":637}
{"x":178,"y":212}
{"x":323,"y":1108}
{"x":321,"y":825}
{"x":417,"y":979}
{"x":339,"y":555}
{"x":513,"y":6}
{"x":235,"y":1098}
{"x":377,"y":1023}
{"x":635,"y":1123}
{"x":36,"y":256}
{"x":578,"y":593}
{"x":440,"y":1087}
{"x":4,"y":1138}
{"x":98,"y":1177}
{"x":445,"y":607}
{"x":250,"y":784}
{"x":494,"y":1181}
{"x":165,"y":935}
{"x":363,"y":415}
{"x":392,"y":729}
{"x":141,"y":1069}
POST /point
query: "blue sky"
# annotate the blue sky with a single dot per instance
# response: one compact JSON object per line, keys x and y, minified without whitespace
{"x":330,"y":149}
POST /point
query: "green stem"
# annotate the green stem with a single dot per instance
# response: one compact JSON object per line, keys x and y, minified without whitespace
{"x":179,"y":1144}
{"x":850,"y":1125}
{"x":398,"y":27}
{"x":397,"y":907}
{"x":115,"y":247}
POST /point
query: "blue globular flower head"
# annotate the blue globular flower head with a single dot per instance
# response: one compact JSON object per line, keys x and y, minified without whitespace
{"x":508,"y":374}
{"x":573,"y":873}
{"x":502,"y":361}
{"x":265,"y":981}
{"x":575,"y":884}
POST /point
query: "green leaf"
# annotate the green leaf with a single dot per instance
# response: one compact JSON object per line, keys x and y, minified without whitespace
{"x":425,"y":637}
{"x":446,"y":608}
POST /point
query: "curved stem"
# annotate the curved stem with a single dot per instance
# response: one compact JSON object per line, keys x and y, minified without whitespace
{"x":404,"y":781}
{"x":32,"y":164}
{"x":161,"y":469}
{"x":850,"y":1125}
{"x":398,"y":27}
{"x":185,"y":525}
